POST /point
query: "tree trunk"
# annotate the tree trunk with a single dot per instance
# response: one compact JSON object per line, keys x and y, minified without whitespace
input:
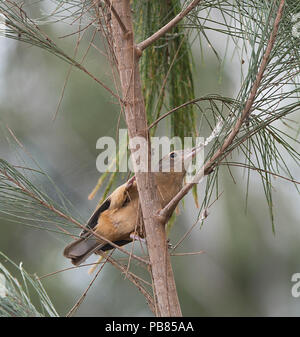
{"x":128,"y":65}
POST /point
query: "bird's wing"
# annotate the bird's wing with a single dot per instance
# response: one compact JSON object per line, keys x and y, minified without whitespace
{"x":93,"y":220}
{"x":87,"y":244}
{"x":109,"y":247}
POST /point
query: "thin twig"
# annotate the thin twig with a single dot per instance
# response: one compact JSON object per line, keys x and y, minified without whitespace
{"x":71,"y":268}
{"x":208,"y":167}
{"x":204,"y":215}
{"x":162,"y":31}
{"x":68,"y":74}
{"x":78,"y":30}
{"x":193,"y":101}
{"x":162,"y":89}
{"x":260,"y":170}
{"x":188,"y":253}
{"x":134,"y":279}
{"x":106,"y":36}
{"x":77,"y":304}
{"x":79,"y":66}
{"x":119,"y":260}
{"x":120,"y":22}
{"x":69,"y":218}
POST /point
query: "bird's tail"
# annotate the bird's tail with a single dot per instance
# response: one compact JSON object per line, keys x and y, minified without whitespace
{"x":79,"y":250}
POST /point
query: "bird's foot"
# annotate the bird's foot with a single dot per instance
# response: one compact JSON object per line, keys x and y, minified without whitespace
{"x":135,"y":237}
{"x":170,"y":246}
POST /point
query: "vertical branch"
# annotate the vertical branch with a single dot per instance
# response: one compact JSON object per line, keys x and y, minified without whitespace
{"x":135,"y":115}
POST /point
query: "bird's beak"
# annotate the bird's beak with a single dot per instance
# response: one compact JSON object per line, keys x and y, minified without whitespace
{"x":189,"y":154}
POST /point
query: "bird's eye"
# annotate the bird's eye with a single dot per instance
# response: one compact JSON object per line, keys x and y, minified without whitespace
{"x":172,"y":155}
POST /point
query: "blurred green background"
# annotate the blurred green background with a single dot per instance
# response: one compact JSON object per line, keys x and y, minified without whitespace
{"x":246,"y":270}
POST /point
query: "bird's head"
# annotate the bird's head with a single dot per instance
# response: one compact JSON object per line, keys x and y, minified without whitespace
{"x":177,"y":162}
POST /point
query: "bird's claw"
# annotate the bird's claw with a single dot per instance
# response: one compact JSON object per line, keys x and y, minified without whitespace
{"x":135,"y":237}
{"x":170,"y":246}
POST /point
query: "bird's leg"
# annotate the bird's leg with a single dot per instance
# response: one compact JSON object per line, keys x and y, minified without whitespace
{"x":170,"y":246}
{"x":134,"y":236}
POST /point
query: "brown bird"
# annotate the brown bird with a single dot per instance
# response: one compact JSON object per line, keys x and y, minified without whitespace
{"x":117,"y":218}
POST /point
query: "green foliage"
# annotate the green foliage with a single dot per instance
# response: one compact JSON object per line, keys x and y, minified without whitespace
{"x":19,"y":26}
{"x":166,"y":66}
{"x":263,"y":143}
{"x":17,"y":296}
{"x":167,"y":72}
{"x":22,"y":201}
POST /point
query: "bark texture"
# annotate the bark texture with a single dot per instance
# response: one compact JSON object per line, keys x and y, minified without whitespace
{"x":127,"y":56}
